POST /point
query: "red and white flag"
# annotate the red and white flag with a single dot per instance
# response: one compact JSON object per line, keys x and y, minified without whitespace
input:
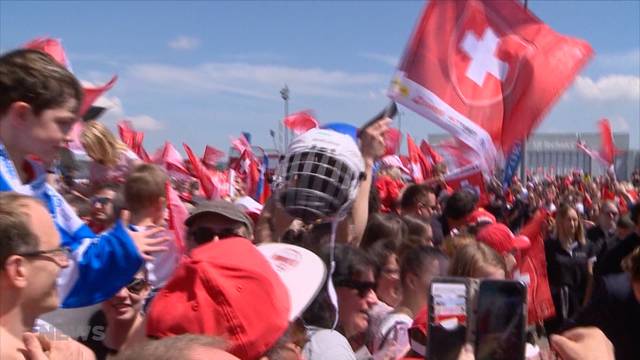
{"x":169,"y":157}
{"x":212,"y":155}
{"x":428,"y":151}
{"x":241,"y":144}
{"x":591,"y":153}
{"x":485,"y":71}
{"x":420,"y":167}
{"x":456,"y":154}
{"x":468,"y":177}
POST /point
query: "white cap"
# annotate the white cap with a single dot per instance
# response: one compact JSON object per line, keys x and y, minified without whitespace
{"x":301,"y":271}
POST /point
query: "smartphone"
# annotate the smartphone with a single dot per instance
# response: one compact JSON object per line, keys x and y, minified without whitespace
{"x":448,"y":318}
{"x":500,"y":320}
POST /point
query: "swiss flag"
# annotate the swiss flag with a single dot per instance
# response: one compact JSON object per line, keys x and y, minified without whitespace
{"x":486,"y":71}
{"x":420,"y":167}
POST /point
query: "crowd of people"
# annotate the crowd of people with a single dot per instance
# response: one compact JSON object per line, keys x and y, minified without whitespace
{"x":336,"y":265}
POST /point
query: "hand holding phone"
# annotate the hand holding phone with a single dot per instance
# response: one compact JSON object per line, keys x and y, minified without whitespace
{"x":489,"y":314}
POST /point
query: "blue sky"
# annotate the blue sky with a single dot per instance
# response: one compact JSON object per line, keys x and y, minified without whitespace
{"x":202,"y":71}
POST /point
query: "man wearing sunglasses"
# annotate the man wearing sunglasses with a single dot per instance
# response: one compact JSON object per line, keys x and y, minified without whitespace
{"x":217,"y":220}
{"x":102,"y":209}
{"x":30,"y":259}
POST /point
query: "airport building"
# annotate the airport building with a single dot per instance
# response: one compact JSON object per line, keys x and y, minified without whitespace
{"x":557,"y":153}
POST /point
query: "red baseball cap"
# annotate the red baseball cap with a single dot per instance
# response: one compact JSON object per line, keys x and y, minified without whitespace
{"x":480,"y":216}
{"x":232,"y":289}
{"x":500,"y":238}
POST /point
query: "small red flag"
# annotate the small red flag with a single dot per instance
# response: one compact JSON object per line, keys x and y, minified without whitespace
{"x":301,"y":121}
{"x":427,"y":150}
{"x":392,"y":140}
{"x":212,"y":155}
{"x":91,"y":94}
{"x":133,"y":139}
{"x":169,"y":157}
{"x":419,"y":166}
{"x":53,"y":47}
{"x":533,"y":271}
{"x":177,"y":215}
{"x":206,"y":184}
{"x":608,"y":150}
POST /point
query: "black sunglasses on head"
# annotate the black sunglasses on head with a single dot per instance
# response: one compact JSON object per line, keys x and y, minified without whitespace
{"x":363,"y":287}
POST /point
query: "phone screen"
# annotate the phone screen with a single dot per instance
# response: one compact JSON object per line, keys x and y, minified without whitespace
{"x":448,"y":321}
{"x":500,"y":320}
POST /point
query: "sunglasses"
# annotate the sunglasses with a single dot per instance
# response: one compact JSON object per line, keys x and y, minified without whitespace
{"x":137,"y":286}
{"x":204,"y":234}
{"x":102,"y":200}
{"x":363,"y":287}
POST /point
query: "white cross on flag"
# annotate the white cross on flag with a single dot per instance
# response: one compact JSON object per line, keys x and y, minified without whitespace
{"x":485,"y":71}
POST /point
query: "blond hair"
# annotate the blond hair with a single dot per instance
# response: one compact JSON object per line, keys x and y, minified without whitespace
{"x":452,"y":244}
{"x":470,"y":259}
{"x":100,"y":144}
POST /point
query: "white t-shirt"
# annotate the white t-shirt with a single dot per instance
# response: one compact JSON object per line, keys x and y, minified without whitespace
{"x":164,"y":263}
{"x":393,"y":334}
{"x":327,"y":344}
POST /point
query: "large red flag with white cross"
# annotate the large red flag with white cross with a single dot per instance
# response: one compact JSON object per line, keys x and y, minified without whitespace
{"x":485,"y":71}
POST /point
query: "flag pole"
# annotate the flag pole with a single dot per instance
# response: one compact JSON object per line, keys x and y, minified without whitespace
{"x":523,"y":161}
